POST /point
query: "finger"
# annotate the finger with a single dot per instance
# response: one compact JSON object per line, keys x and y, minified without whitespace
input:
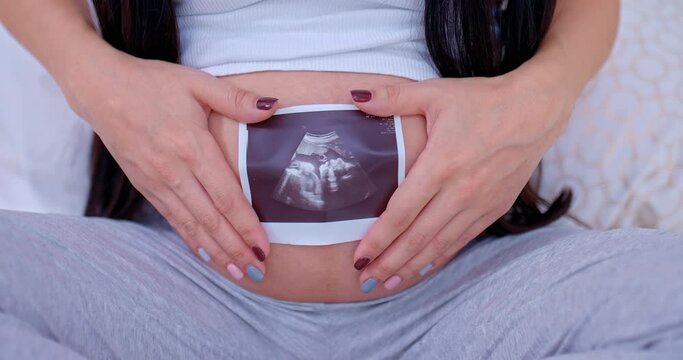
{"x":404,"y":205}
{"x":392,"y":277}
{"x":233,"y":102}
{"x":456,"y":234}
{"x":222,"y":185}
{"x":196,"y":238}
{"x":439,"y":212}
{"x":172,"y":209}
{"x":205,"y":215}
{"x":411,"y":98}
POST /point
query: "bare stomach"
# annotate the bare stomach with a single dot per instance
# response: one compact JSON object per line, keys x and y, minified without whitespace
{"x":312,"y":273}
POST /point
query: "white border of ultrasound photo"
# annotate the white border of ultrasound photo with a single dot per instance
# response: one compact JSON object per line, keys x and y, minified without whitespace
{"x":325,"y":233}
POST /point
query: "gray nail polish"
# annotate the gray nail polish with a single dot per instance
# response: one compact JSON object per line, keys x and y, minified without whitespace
{"x":254,"y":273}
{"x":425,"y":269}
{"x":204,"y":255}
{"x":368,"y":285}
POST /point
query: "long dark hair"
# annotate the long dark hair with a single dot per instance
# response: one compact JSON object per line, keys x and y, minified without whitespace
{"x":465,"y":38}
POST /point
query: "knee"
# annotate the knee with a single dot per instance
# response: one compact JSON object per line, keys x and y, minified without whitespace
{"x":646,"y":255}
{"x":634,"y":243}
{"x":634,"y":282}
{"x":12,"y":223}
{"x":641,"y":262}
{"x":25,"y":234}
{"x":601,"y":264}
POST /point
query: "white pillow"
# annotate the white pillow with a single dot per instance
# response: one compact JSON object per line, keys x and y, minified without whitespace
{"x":44,"y":146}
{"x":623,"y":152}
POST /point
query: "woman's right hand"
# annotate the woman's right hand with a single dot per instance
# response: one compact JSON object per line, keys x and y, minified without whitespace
{"x":152,"y":116}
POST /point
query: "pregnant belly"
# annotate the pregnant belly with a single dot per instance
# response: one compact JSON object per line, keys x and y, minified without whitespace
{"x":312,"y":273}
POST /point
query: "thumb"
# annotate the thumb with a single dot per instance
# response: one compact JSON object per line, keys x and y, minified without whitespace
{"x":399,"y":99}
{"x":233,"y":102}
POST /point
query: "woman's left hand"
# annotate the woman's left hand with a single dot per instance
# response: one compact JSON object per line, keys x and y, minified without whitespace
{"x":485,"y":137}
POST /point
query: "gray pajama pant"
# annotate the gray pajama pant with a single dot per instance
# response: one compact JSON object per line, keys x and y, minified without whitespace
{"x":74,"y":288}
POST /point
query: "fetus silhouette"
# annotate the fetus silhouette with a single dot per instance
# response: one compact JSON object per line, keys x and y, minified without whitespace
{"x":323,"y":175}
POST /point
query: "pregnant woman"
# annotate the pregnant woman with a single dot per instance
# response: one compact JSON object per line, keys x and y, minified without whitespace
{"x":175,"y":265}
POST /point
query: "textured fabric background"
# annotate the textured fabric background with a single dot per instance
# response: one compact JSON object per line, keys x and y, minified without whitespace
{"x":623,"y":152}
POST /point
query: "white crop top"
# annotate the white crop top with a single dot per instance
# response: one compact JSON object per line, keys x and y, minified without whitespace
{"x":225,"y":37}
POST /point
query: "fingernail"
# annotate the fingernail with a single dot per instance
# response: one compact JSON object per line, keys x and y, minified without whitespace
{"x":235,"y":271}
{"x":260,"y":255}
{"x":361,"y":263}
{"x":361,"y":95}
{"x":425,"y":269}
{"x":254,"y":273}
{"x":368,"y":285}
{"x":266,"y":103}
{"x":204,"y":255}
{"x":392,"y":282}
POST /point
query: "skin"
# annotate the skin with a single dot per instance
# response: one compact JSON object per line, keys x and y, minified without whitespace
{"x":310,"y":273}
{"x":497,"y":130}
{"x":153,"y":116}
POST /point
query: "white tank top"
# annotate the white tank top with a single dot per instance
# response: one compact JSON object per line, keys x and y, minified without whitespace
{"x":225,"y":37}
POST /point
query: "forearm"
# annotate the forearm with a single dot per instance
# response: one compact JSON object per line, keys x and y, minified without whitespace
{"x":578,"y":41}
{"x":59,"y":34}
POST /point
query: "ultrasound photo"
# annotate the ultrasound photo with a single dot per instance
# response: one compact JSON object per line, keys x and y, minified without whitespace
{"x":323,"y":175}
{"x":320,"y":174}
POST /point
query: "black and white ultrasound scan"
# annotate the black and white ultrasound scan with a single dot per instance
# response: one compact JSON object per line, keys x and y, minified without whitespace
{"x":323,"y":175}
{"x":320,"y":174}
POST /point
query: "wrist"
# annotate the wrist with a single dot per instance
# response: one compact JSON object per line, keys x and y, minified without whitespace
{"x":553,"y":69}
{"x":542,"y":88}
{"x":549,"y":81}
{"x":548,"y":76}
{"x":84,"y":72}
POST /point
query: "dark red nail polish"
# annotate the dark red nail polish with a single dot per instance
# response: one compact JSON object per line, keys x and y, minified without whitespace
{"x":266,"y":103}
{"x":260,"y":255}
{"x":361,"y":95}
{"x":361,"y":263}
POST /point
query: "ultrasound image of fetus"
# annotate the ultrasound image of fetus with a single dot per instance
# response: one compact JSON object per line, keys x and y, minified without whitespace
{"x":300,"y":186}
{"x":323,"y":175}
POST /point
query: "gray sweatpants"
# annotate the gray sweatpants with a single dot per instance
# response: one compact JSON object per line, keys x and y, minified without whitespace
{"x":73,"y":288}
